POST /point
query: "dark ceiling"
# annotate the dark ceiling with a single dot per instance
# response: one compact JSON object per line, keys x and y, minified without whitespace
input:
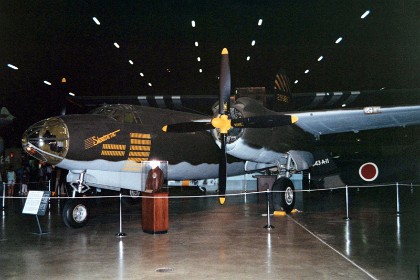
{"x":49,"y":40}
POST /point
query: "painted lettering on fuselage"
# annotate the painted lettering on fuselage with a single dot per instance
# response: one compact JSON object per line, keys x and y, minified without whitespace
{"x":137,"y":150}
{"x":95,"y":140}
{"x":321,"y":162}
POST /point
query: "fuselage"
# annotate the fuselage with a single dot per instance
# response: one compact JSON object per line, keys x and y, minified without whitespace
{"x":119,"y":141}
{"x":111,"y":143}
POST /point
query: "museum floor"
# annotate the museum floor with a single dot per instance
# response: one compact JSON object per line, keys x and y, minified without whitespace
{"x":209,"y":241}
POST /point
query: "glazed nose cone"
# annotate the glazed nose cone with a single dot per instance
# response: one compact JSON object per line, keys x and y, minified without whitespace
{"x":47,"y":140}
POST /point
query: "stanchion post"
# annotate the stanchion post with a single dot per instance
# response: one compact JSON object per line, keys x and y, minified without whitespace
{"x":49,"y":199}
{"x":398,"y":199}
{"x":268,"y":226}
{"x":4,"y":194}
{"x":120,"y":234}
{"x":347,"y":218}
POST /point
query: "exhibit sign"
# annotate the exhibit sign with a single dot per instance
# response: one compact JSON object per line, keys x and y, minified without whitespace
{"x":36,"y":203}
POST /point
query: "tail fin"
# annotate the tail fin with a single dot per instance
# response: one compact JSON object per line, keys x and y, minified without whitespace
{"x":283,"y":97}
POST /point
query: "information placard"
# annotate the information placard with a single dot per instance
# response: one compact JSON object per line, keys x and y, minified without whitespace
{"x":36,"y":203}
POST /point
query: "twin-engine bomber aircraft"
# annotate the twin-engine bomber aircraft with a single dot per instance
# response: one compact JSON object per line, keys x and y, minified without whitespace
{"x":104,"y":149}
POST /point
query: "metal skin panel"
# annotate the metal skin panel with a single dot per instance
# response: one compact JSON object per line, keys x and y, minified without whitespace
{"x":109,"y":177}
{"x":267,"y":145}
{"x":110,"y":151}
{"x":337,"y":121}
{"x":106,"y":139}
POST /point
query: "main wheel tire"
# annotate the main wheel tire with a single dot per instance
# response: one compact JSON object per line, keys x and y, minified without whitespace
{"x":285,"y":199}
{"x":75,"y":213}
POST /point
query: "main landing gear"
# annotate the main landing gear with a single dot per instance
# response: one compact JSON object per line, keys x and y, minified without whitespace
{"x":283,"y":196}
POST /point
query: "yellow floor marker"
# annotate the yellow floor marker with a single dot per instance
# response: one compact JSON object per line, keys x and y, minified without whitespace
{"x":279,"y":213}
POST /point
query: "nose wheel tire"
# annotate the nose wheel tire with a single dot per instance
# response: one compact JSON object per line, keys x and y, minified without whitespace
{"x":75,"y":213}
{"x":283,"y":196}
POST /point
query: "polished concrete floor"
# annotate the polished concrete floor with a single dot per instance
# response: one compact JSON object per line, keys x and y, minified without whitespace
{"x":209,"y":241}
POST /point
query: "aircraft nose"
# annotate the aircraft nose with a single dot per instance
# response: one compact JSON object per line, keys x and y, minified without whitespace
{"x":47,"y":140}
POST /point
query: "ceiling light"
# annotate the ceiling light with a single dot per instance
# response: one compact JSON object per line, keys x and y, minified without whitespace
{"x":306,"y":71}
{"x":382,"y":88}
{"x":320,"y":58}
{"x":343,"y":105}
{"x":47,"y":83}
{"x":193,"y":23}
{"x":253,"y":43}
{"x":365,"y":14}
{"x":200,"y":70}
{"x":131,"y":62}
{"x":12,"y":66}
{"x":339,"y":40}
{"x":297,"y":81}
{"x":71,"y":93}
{"x":116,"y":45}
{"x":150,"y":84}
{"x":96,"y":21}
{"x":198,"y":59}
{"x":248,"y":58}
{"x":260,"y":22}
{"x":196,"y":44}
{"x":141,"y":74}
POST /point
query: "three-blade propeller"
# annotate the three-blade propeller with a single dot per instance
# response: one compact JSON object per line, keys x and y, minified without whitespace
{"x":224,"y":124}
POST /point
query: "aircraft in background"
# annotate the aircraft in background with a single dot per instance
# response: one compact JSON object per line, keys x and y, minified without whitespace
{"x":105,"y":148}
{"x":5,"y":119}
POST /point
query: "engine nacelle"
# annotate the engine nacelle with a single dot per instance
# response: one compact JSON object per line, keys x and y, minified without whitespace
{"x":269,"y":145}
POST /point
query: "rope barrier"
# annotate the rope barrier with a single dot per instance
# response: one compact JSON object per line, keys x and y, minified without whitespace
{"x":211,"y":195}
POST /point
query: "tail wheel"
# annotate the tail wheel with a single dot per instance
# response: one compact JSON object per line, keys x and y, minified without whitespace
{"x":75,"y":213}
{"x":283,"y":197}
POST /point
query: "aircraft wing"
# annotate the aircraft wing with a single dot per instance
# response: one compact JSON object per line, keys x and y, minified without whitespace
{"x":5,"y":114}
{"x":195,"y":103}
{"x":5,"y":117}
{"x":355,"y":99}
{"x":337,"y":121}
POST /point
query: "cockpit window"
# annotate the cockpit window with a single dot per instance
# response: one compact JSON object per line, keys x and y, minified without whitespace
{"x":121,"y":113}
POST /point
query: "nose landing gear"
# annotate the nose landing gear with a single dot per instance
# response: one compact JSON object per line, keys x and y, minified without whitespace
{"x":75,"y":212}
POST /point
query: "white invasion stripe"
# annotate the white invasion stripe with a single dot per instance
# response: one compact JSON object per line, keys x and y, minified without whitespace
{"x":143,"y":100}
{"x":160,"y":102}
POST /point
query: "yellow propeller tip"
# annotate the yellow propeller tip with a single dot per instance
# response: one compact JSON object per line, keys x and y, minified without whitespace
{"x":225,"y":51}
{"x":294,"y":119}
{"x":222,"y":200}
{"x":165,"y":128}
